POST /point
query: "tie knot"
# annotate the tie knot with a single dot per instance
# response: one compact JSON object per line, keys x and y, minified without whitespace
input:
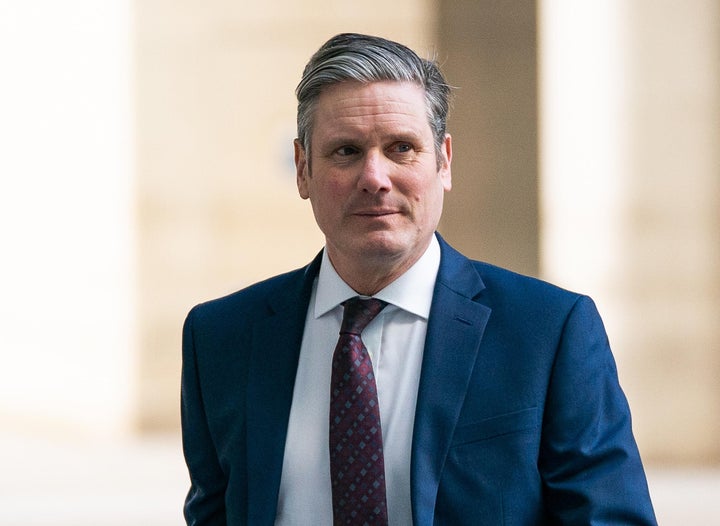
{"x":358,"y":313}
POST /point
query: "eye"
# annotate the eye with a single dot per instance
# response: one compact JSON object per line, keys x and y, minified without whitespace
{"x":402,"y":147}
{"x":345,"y":151}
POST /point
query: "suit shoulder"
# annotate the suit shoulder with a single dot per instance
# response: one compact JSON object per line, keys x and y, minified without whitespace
{"x":513,"y":286}
{"x":535,"y":306}
{"x":498,"y":285}
{"x":249,"y":300}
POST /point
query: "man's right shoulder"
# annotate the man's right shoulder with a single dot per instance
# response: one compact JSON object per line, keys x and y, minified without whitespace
{"x":257,"y":298}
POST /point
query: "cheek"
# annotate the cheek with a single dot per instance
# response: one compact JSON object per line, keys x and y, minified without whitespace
{"x":427,"y":196}
{"x":328,"y":197}
{"x":334,"y":191}
{"x":429,"y":203}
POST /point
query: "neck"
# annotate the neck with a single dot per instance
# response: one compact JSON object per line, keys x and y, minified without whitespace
{"x":368,"y":283}
{"x":368,"y":276}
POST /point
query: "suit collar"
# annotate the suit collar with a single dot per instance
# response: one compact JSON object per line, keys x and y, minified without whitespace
{"x":457,"y":272}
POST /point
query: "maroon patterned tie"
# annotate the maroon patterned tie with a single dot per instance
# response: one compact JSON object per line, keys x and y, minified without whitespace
{"x":357,"y":467}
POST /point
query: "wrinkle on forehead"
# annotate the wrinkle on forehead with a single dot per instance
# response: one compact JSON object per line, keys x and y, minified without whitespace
{"x":355,"y":105}
{"x":369,"y":98}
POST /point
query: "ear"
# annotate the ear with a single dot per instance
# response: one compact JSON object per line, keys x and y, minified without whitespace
{"x":445,"y":161}
{"x":301,"y":169}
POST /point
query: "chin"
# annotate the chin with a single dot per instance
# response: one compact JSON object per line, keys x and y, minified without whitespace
{"x":385,"y":245}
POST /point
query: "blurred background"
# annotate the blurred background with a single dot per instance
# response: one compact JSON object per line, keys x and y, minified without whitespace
{"x":146,"y":165}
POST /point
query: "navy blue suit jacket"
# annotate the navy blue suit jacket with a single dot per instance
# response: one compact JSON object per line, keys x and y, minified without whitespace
{"x":520,"y":419}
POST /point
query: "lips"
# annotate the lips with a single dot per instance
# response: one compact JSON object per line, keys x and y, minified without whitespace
{"x":375,"y":209}
{"x":375,"y":212}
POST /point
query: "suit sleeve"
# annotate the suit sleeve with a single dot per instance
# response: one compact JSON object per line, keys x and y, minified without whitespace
{"x":589,"y":461}
{"x":205,"y":502}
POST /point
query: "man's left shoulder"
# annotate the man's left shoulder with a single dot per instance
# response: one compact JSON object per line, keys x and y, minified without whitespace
{"x":507,"y":292}
{"x":498,"y":281}
{"x":528,"y":296}
{"x":511,"y":281}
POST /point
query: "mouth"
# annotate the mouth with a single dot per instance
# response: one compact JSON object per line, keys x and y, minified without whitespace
{"x":375,"y":212}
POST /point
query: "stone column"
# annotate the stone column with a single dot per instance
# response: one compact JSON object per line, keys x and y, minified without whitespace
{"x":671,"y":245}
{"x":488,"y":51}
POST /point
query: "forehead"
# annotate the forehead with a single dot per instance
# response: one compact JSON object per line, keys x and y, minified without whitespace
{"x":354,"y":104}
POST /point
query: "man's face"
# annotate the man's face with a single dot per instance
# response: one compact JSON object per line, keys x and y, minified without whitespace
{"x":374,"y":181}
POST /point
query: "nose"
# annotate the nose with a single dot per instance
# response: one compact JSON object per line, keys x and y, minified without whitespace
{"x":375,"y":173}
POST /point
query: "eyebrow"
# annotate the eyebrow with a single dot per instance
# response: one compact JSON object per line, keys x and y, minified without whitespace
{"x":410,"y":136}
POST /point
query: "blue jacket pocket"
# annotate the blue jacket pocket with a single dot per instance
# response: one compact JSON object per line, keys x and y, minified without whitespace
{"x":497,"y":426}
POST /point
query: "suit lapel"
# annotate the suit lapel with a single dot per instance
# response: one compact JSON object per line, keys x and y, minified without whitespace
{"x":455,"y":328}
{"x":276,"y":342}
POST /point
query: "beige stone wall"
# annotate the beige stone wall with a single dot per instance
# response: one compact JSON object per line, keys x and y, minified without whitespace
{"x":217,"y":205}
{"x":631,"y":193}
{"x":670,"y":283}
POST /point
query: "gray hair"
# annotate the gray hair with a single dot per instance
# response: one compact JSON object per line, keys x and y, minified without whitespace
{"x":364,"y":58}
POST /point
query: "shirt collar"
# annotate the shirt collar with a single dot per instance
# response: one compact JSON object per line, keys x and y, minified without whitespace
{"x":411,"y":292}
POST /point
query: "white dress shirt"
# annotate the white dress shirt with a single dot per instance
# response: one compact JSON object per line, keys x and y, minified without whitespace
{"x":395,"y":340}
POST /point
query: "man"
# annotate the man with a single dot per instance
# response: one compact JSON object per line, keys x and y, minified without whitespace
{"x":498,"y":395}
